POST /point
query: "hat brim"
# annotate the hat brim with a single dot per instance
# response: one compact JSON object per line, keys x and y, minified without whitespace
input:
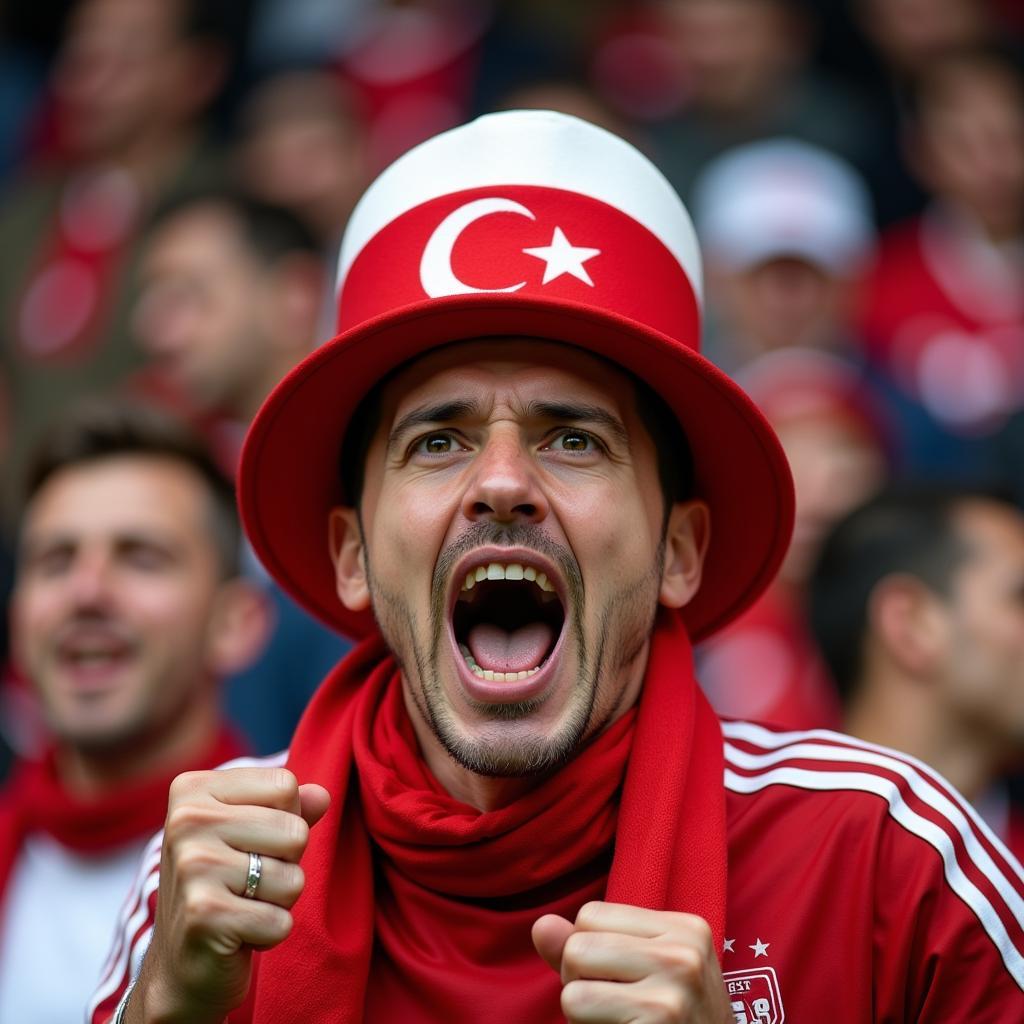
{"x":289,"y":475}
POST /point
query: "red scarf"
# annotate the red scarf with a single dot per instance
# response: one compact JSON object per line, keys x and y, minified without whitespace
{"x":418,"y":908}
{"x":34,"y":800}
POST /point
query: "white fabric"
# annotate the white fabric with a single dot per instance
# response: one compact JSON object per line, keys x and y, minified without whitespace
{"x":527,"y":147}
{"x":60,"y":913}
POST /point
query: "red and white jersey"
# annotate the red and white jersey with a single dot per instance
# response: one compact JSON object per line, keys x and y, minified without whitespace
{"x":862,"y":889}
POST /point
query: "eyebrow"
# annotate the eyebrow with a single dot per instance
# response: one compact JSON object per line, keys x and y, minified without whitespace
{"x":572,"y":412}
{"x":427,"y":414}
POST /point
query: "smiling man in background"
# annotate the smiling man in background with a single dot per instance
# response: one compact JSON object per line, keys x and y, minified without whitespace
{"x":513,"y":475}
{"x":126,"y":610}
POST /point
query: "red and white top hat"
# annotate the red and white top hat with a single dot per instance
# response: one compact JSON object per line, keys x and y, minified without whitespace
{"x":522,"y":223}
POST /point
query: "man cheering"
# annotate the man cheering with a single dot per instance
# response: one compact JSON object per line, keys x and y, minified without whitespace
{"x":513,"y":475}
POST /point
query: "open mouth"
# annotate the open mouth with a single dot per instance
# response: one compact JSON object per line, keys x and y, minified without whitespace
{"x":507,"y":620}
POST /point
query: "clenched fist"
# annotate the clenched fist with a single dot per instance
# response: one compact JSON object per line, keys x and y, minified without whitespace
{"x":625,"y":965}
{"x":199,"y":962}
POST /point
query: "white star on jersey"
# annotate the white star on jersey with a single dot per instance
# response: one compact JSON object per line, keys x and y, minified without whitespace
{"x":760,"y":948}
{"x":562,"y":257}
{"x":727,"y":946}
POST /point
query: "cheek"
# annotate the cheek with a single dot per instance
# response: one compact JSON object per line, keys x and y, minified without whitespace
{"x":614,"y":534}
{"x":33,"y":614}
{"x":410,"y":527}
{"x":167,"y":613}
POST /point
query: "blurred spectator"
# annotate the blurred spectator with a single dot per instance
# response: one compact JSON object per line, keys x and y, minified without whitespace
{"x":131,"y":80}
{"x":231,"y":289}
{"x":304,"y":32}
{"x":885,"y":46}
{"x":413,"y":65}
{"x":943,"y":310}
{"x":303,"y":145}
{"x":917,"y":606}
{"x":127,"y":609}
{"x":568,"y":97}
{"x":910,"y":34}
{"x":764,"y":666}
{"x":750,"y":78}
{"x":786,"y":229}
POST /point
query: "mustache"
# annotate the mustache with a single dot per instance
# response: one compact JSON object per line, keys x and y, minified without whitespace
{"x":522,"y":535}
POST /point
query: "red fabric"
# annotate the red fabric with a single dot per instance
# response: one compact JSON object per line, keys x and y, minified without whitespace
{"x":35,"y":800}
{"x":66,"y":300}
{"x":457,"y":889}
{"x":959,"y":356}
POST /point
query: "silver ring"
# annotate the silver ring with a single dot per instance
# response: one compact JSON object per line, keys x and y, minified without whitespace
{"x":252,"y":879}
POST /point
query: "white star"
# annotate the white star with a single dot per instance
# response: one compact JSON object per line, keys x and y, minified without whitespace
{"x":562,"y":257}
{"x":760,"y":948}
{"x":727,"y":947}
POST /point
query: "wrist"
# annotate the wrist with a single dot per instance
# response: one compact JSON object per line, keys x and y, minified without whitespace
{"x":149,"y":1002}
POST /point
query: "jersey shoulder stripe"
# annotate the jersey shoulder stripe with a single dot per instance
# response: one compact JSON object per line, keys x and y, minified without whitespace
{"x":976,"y":864}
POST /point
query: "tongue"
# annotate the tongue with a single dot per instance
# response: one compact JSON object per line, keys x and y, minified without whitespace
{"x":517,"y":650}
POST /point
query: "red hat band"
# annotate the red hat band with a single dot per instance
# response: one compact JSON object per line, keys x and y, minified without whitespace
{"x":540,"y":244}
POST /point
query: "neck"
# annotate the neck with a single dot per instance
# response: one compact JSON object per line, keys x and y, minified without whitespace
{"x":909,"y":721}
{"x":90,"y":773}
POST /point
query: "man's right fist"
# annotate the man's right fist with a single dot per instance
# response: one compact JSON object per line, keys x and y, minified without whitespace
{"x":199,"y":962}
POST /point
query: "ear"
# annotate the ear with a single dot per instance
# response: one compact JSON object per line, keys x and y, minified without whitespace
{"x":909,"y":622}
{"x":686,"y":543}
{"x":349,"y":557}
{"x":240,"y":625}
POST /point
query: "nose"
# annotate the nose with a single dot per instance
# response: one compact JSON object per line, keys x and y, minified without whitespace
{"x":89,"y":582}
{"x":504,"y":486}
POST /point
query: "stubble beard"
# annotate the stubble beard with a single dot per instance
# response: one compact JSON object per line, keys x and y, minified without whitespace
{"x":505,"y":747}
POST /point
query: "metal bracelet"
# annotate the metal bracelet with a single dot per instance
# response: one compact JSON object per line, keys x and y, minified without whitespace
{"x":122,"y":1007}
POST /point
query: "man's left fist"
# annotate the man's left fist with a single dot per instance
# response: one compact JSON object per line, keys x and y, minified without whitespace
{"x":625,"y":965}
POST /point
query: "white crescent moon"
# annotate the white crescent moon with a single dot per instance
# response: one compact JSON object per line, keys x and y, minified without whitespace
{"x":436,"y":274}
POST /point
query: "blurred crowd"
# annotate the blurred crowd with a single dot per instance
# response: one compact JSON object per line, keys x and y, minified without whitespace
{"x":175,"y":176}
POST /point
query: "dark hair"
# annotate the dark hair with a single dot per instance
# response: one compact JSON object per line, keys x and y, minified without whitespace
{"x":675,"y":459}
{"x":214,"y":21}
{"x":104,"y":428}
{"x":907,"y":529}
{"x":270,"y":232}
{"x":932,"y":84}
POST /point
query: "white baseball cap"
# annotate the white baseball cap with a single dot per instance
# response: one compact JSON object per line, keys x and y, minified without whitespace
{"x":783,"y":197}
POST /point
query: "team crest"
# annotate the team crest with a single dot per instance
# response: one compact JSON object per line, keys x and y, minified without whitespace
{"x":754,"y":996}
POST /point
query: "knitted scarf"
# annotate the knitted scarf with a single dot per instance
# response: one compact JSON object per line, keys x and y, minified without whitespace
{"x":418,"y":908}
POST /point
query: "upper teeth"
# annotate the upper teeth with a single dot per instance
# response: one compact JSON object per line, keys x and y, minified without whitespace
{"x":511,"y":571}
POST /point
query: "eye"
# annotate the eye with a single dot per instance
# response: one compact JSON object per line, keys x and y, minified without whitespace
{"x":576,"y":441}
{"x":147,"y":559}
{"x":435,"y":444}
{"x":51,"y":562}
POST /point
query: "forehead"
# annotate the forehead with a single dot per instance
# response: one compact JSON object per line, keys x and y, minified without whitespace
{"x":146,"y":18}
{"x":118,"y":494}
{"x":507,"y":370}
{"x":994,"y":534}
{"x":200,"y":232}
